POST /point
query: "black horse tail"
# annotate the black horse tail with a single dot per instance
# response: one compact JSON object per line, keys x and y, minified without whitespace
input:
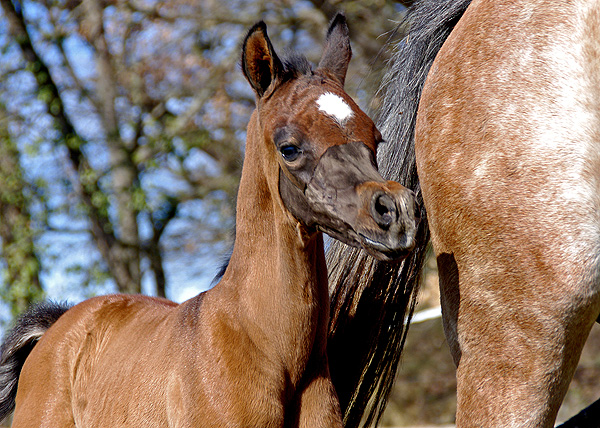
{"x":371,"y":301}
{"x":18,"y":344}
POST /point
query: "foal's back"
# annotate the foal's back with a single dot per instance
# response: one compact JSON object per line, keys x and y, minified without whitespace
{"x":93,"y":354}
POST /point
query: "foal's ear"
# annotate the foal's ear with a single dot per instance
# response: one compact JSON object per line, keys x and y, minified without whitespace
{"x":260,"y":63}
{"x":337,"y":51}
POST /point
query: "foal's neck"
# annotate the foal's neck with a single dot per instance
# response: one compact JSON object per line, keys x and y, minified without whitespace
{"x":277,"y":274}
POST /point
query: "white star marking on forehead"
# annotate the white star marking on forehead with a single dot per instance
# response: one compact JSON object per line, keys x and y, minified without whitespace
{"x":334,"y":106}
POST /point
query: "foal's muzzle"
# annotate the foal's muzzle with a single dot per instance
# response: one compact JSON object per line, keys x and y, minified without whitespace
{"x":388,"y":219}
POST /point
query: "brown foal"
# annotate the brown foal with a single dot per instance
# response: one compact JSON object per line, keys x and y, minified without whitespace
{"x":250,"y":352}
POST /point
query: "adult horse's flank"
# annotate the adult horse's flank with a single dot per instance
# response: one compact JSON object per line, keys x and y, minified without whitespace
{"x":507,"y":147}
{"x":251,"y":351}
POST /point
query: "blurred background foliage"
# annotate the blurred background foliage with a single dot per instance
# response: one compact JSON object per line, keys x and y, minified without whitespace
{"x":122,"y":128}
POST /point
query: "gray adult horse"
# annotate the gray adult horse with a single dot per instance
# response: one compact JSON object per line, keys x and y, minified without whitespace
{"x":495,"y":104}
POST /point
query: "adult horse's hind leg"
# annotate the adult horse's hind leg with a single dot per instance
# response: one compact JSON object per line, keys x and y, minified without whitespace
{"x":516,"y":345}
{"x":508,"y":151}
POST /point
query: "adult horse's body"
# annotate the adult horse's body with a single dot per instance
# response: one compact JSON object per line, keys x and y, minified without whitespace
{"x":507,"y":149}
{"x":250,"y":351}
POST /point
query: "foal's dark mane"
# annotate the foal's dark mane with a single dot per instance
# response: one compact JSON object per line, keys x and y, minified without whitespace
{"x":295,"y":64}
{"x":370,"y":299}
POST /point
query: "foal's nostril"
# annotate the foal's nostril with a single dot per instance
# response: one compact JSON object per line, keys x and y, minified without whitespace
{"x":383,"y":210}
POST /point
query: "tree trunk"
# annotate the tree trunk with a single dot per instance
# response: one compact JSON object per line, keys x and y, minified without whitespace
{"x":21,"y":275}
{"x":120,"y":254}
{"x":124,"y":176}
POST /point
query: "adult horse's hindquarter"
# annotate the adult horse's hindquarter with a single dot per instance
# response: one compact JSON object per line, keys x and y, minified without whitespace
{"x":508,"y":152}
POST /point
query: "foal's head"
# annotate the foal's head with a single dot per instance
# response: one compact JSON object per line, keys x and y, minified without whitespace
{"x":325,"y":146}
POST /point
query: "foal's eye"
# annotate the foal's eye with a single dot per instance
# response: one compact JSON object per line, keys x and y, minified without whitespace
{"x":290,"y":152}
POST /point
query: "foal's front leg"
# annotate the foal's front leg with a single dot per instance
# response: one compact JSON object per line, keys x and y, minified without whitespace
{"x":317,"y":403}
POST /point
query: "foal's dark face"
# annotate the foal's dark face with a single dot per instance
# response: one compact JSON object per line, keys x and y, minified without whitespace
{"x":325,"y":145}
